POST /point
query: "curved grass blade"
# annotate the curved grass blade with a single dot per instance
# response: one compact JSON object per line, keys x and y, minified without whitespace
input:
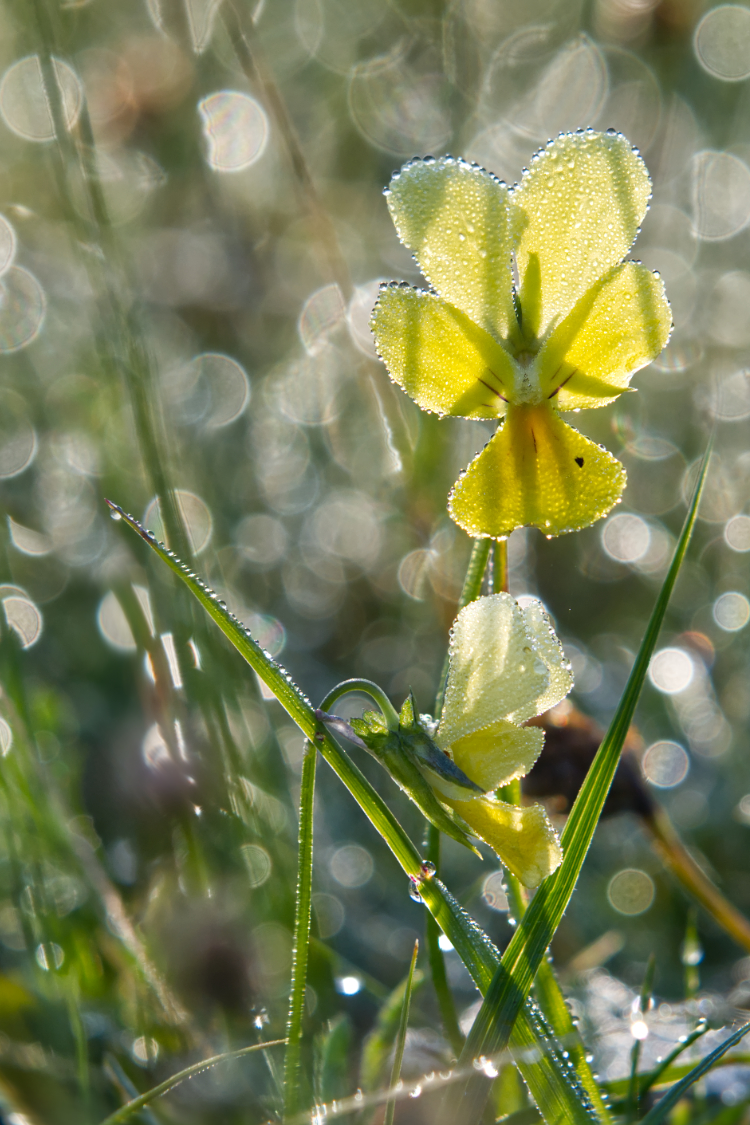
{"x":661,"y":1076}
{"x":398,"y":1057}
{"x":673,"y":1095}
{"x":521,"y":960}
{"x":554,"y":1088}
{"x":301,"y":933}
{"x":142,"y":1100}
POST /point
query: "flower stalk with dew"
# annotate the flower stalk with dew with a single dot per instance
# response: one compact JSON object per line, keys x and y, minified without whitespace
{"x":532,"y":312}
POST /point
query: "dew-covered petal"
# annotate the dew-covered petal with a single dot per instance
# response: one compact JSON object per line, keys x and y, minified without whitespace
{"x":494,"y":671}
{"x":577,"y":209}
{"x":454,"y":217}
{"x":549,"y":649}
{"x":439,"y":356}
{"x":619,"y":326}
{"x":522,"y":837}
{"x":536,"y":471}
{"x":498,"y":753}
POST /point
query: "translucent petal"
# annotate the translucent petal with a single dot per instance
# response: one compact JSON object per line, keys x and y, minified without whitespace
{"x":494,"y":671}
{"x":536,"y":471}
{"x":548,"y":647}
{"x":522,"y":836}
{"x":454,"y":216}
{"x":619,"y":326}
{"x":497,"y":754}
{"x":439,"y":356}
{"x":578,"y":210}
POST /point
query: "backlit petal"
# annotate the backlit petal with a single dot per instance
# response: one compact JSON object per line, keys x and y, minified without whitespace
{"x":578,"y":210}
{"x":522,"y":836}
{"x":493,"y":673}
{"x":498,"y":753}
{"x":547,"y":646}
{"x":439,"y":356}
{"x":536,"y":471}
{"x":619,"y":326}
{"x":454,"y":217}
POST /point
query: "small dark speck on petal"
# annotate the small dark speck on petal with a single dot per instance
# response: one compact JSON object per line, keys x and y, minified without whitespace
{"x":579,"y":462}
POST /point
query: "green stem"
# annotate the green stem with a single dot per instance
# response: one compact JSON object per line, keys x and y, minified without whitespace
{"x":398,"y":1055}
{"x":364,"y":687}
{"x":301,"y":934}
{"x":633,"y":1097}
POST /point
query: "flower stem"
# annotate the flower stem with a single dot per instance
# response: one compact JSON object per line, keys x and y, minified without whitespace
{"x":364,"y":687}
{"x":301,"y":934}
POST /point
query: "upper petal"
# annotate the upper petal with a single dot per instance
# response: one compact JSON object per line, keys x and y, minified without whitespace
{"x":536,"y":471}
{"x":619,"y":326}
{"x":578,"y":210}
{"x":494,"y":670}
{"x":549,"y":649}
{"x":439,"y":356}
{"x":454,"y":217}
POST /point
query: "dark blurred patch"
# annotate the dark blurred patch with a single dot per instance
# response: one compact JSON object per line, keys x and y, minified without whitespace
{"x":571,"y":741}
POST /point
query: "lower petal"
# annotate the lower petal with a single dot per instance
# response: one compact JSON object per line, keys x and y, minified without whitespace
{"x":521,"y":836}
{"x":498,"y":753}
{"x":536,"y":472}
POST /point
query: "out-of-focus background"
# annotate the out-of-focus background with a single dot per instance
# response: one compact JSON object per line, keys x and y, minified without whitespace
{"x":192,"y":237}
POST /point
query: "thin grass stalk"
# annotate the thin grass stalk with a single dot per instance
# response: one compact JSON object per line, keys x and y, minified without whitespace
{"x":633,"y":1098}
{"x":398,"y":1056}
{"x":137,"y":1104}
{"x":659,"y":1113}
{"x":514,"y":977}
{"x":301,"y":951}
{"x":556,"y":1091}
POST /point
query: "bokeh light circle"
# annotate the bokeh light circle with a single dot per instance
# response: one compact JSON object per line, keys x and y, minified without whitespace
{"x":236,"y":130}
{"x":626,"y":538}
{"x":721,"y":195}
{"x":24,"y":105}
{"x":665,"y":764}
{"x":21,"y":615}
{"x":22,"y":309}
{"x":671,"y":670}
{"x":631,"y":891}
{"x":195,"y":516}
{"x":113,"y":624}
{"x":722,"y":42}
{"x":731,"y":611}
{"x":737,"y":533}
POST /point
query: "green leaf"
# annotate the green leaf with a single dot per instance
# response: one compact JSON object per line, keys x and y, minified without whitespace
{"x":142,"y":1100}
{"x":377,"y":1045}
{"x":398,"y":1056}
{"x":332,"y":1064}
{"x":514,"y":977}
{"x":673,"y":1095}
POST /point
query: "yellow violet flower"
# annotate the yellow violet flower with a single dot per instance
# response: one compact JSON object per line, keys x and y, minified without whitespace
{"x":506,"y":666}
{"x":568,"y":335}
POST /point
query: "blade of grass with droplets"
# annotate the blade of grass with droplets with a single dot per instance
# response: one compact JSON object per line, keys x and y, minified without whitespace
{"x":554,"y":1088}
{"x":398,"y":1057}
{"x":658,"y":1114}
{"x":521,"y":960}
{"x":301,"y":933}
{"x":142,"y":1100}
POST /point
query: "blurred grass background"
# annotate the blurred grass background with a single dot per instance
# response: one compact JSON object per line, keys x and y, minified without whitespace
{"x":192,"y":238}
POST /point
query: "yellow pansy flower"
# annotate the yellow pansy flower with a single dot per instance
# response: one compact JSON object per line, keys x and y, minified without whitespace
{"x":506,"y":666}
{"x":532,"y":311}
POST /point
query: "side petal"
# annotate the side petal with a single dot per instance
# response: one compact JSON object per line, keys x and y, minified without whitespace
{"x":493,"y":670}
{"x":548,"y":647}
{"x":578,"y":209}
{"x":498,"y":753}
{"x":536,"y":471}
{"x":454,"y":217}
{"x":619,"y":326}
{"x":439,"y":356}
{"x":521,"y":836}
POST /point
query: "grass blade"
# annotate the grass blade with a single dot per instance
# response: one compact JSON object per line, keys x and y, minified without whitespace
{"x":142,"y":1100}
{"x":521,"y":960}
{"x":673,"y":1095}
{"x":555,"y":1090}
{"x":301,"y":934}
{"x":398,"y":1057}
